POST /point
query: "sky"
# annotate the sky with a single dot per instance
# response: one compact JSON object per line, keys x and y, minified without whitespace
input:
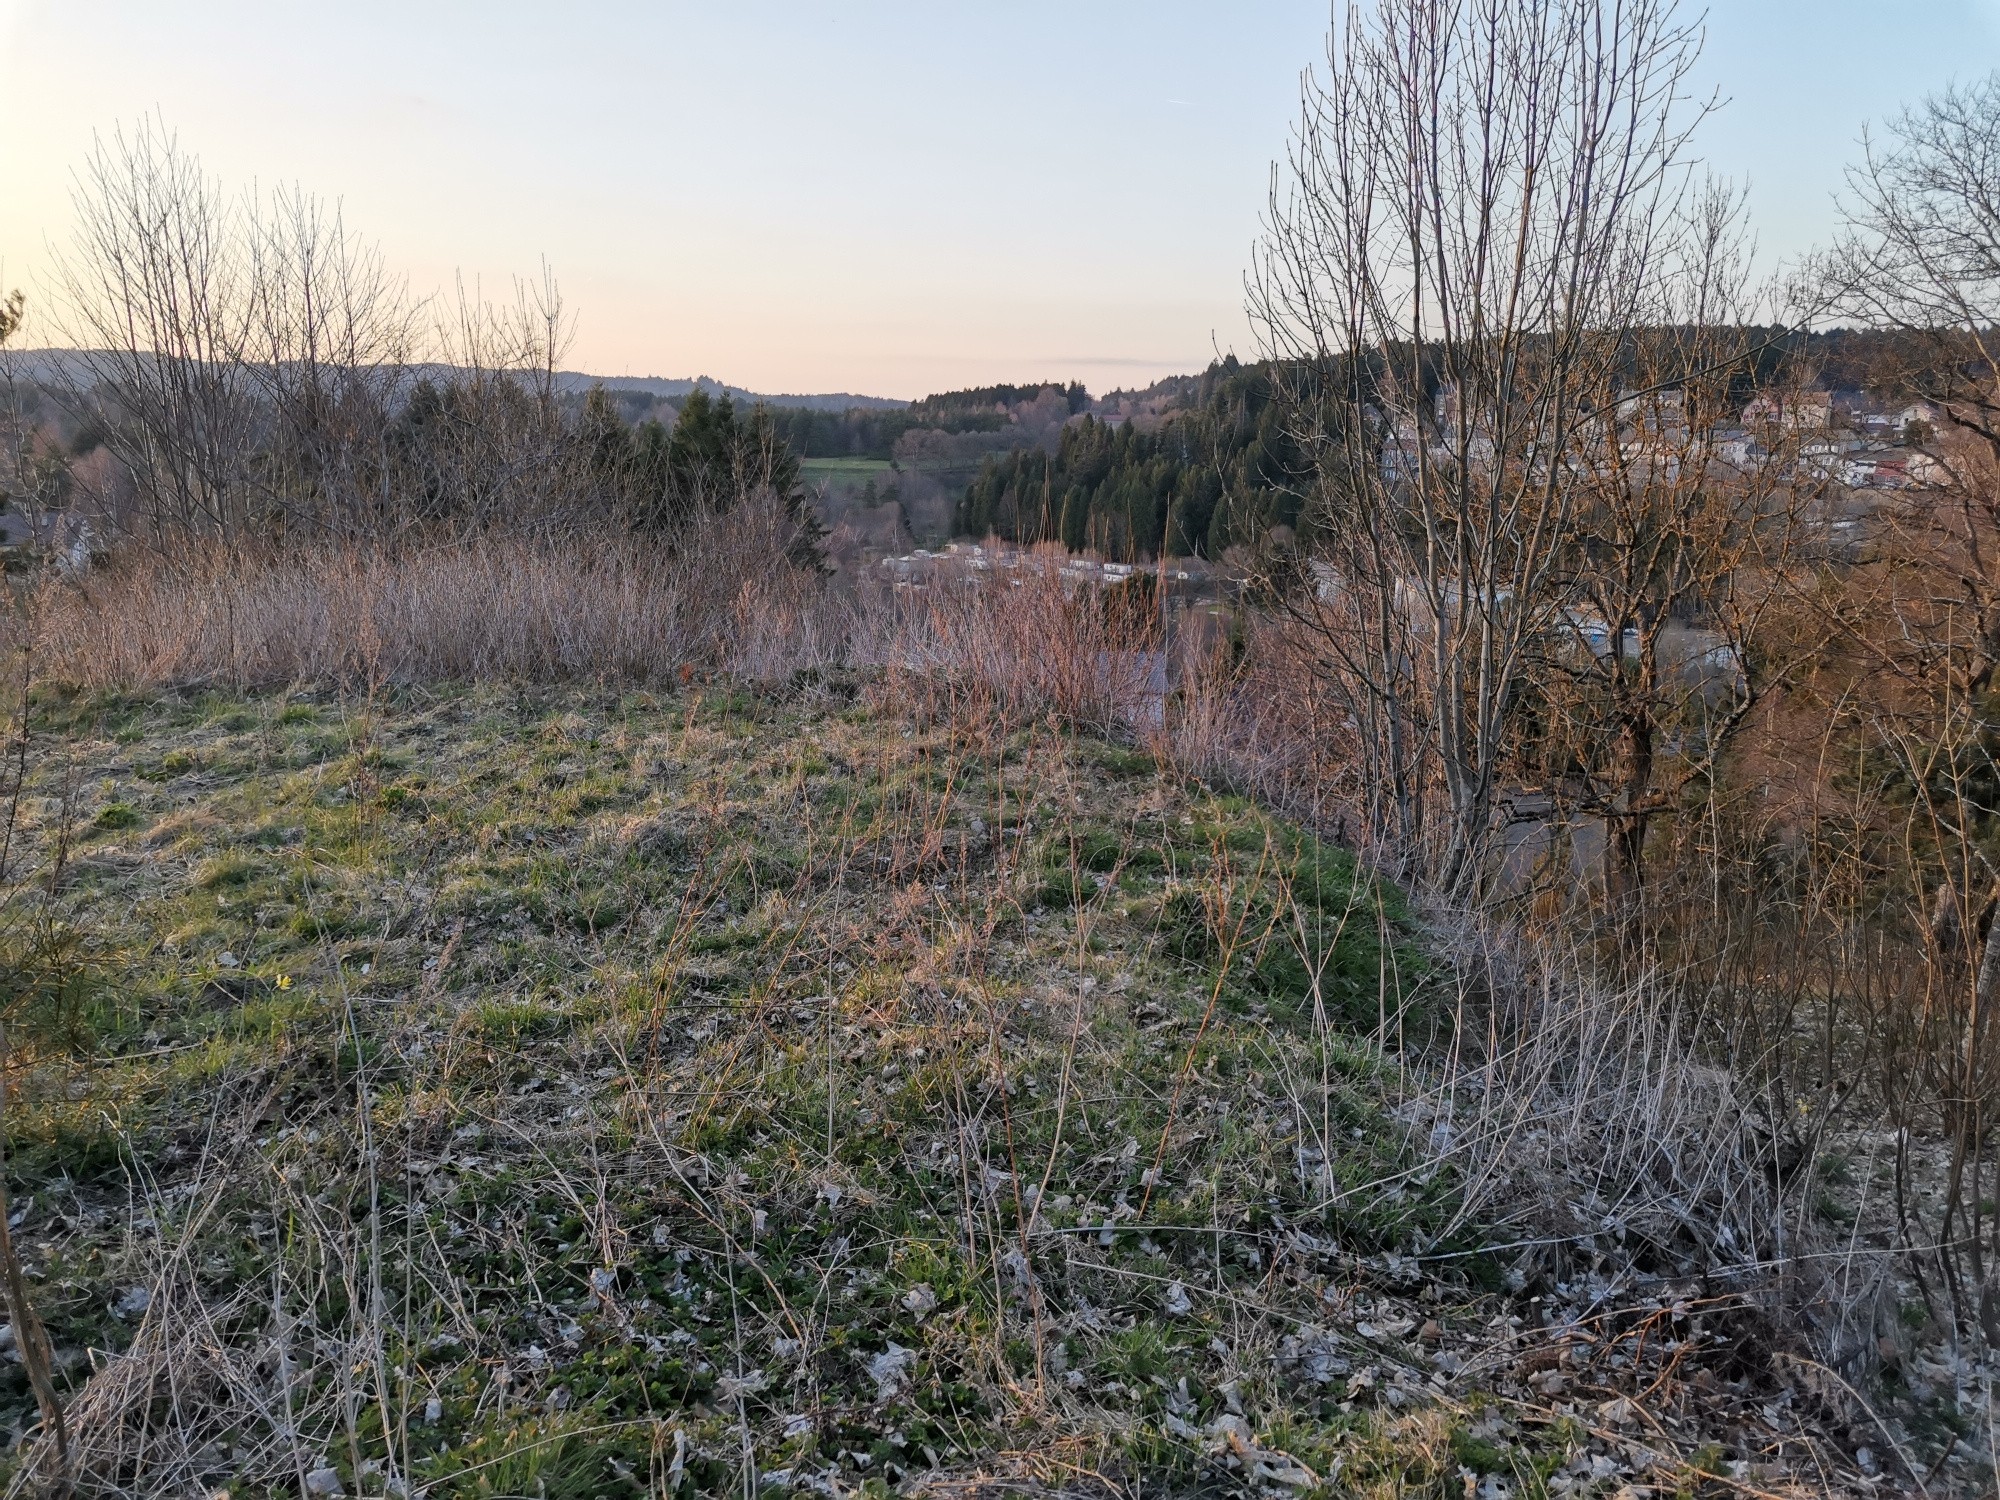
{"x":887,"y":197}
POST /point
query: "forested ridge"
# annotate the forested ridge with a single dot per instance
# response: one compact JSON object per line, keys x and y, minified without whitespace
{"x":1198,"y":464}
{"x":1216,"y":471}
{"x":872,"y":433}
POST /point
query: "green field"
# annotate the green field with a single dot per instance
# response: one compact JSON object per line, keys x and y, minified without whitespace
{"x":843,"y":470}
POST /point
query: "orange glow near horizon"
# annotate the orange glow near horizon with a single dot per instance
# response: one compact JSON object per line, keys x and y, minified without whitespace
{"x":887,"y":199}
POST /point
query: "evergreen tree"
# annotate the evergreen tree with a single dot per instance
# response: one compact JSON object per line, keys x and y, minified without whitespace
{"x":709,"y":461}
{"x":1219,"y":470}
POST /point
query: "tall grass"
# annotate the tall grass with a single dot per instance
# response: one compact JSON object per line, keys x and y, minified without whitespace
{"x":481,"y":608}
{"x":495,"y":606}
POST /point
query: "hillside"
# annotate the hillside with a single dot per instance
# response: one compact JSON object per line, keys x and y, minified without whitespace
{"x":583,"y":1095}
{"x":663,"y":389}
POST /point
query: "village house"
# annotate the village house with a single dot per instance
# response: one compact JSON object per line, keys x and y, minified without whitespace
{"x":1797,"y":411}
{"x":1890,"y":467}
{"x":1736,"y":447}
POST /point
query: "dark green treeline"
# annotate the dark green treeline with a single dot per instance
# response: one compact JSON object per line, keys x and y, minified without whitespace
{"x":1216,"y":472}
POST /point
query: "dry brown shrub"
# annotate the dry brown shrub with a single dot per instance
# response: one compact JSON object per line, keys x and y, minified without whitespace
{"x":1021,"y":643}
{"x":485,"y":607}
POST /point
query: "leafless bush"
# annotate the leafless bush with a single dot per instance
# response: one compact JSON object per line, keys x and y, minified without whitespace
{"x":333,"y":333}
{"x":489,"y":606}
{"x":1576,"y":1104}
{"x":258,"y":370}
{"x":1028,"y":642}
{"x":481,"y":438}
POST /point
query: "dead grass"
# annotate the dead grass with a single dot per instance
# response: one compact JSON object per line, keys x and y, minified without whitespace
{"x":489,"y":607}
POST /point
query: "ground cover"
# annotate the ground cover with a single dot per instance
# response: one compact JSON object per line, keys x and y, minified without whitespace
{"x":489,"y":1092}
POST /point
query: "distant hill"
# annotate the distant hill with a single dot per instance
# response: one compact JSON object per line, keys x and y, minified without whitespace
{"x":673,"y":390}
{"x":45,"y":364}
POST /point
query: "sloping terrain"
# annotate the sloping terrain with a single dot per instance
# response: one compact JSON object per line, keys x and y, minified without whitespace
{"x":493,"y":1094}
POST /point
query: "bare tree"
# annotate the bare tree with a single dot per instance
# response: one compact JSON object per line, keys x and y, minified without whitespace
{"x":1482,"y":202}
{"x":259,"y":370}
{"x":334,"y":336}
{"x":157,"y":299}
{"x":1919,"y":645}
{"x":1921,"y":251}
{"x":1674,"y":567}
{"x":488,"y":440}
{"x":1920,"y":257}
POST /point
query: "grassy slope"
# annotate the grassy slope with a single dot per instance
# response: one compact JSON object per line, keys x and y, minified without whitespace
{"x":606,"y":1090}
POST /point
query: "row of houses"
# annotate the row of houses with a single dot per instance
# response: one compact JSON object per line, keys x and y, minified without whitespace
{"x":1844,"y":439}
{"x":971,"y":561}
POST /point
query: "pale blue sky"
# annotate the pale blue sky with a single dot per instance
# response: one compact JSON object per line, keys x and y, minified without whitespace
{"x":884,"y":196}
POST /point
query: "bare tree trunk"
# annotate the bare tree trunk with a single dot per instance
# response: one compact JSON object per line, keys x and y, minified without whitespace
{"x":1627,"y":818}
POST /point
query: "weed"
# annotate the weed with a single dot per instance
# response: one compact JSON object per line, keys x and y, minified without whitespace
{"x":115,"y":817}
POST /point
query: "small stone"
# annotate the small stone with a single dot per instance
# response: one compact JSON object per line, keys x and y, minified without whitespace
{"x":229,"y":960}
{"x":324,"y":1482}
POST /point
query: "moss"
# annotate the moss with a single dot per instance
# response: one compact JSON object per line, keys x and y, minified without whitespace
{"x":114,"y":817}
